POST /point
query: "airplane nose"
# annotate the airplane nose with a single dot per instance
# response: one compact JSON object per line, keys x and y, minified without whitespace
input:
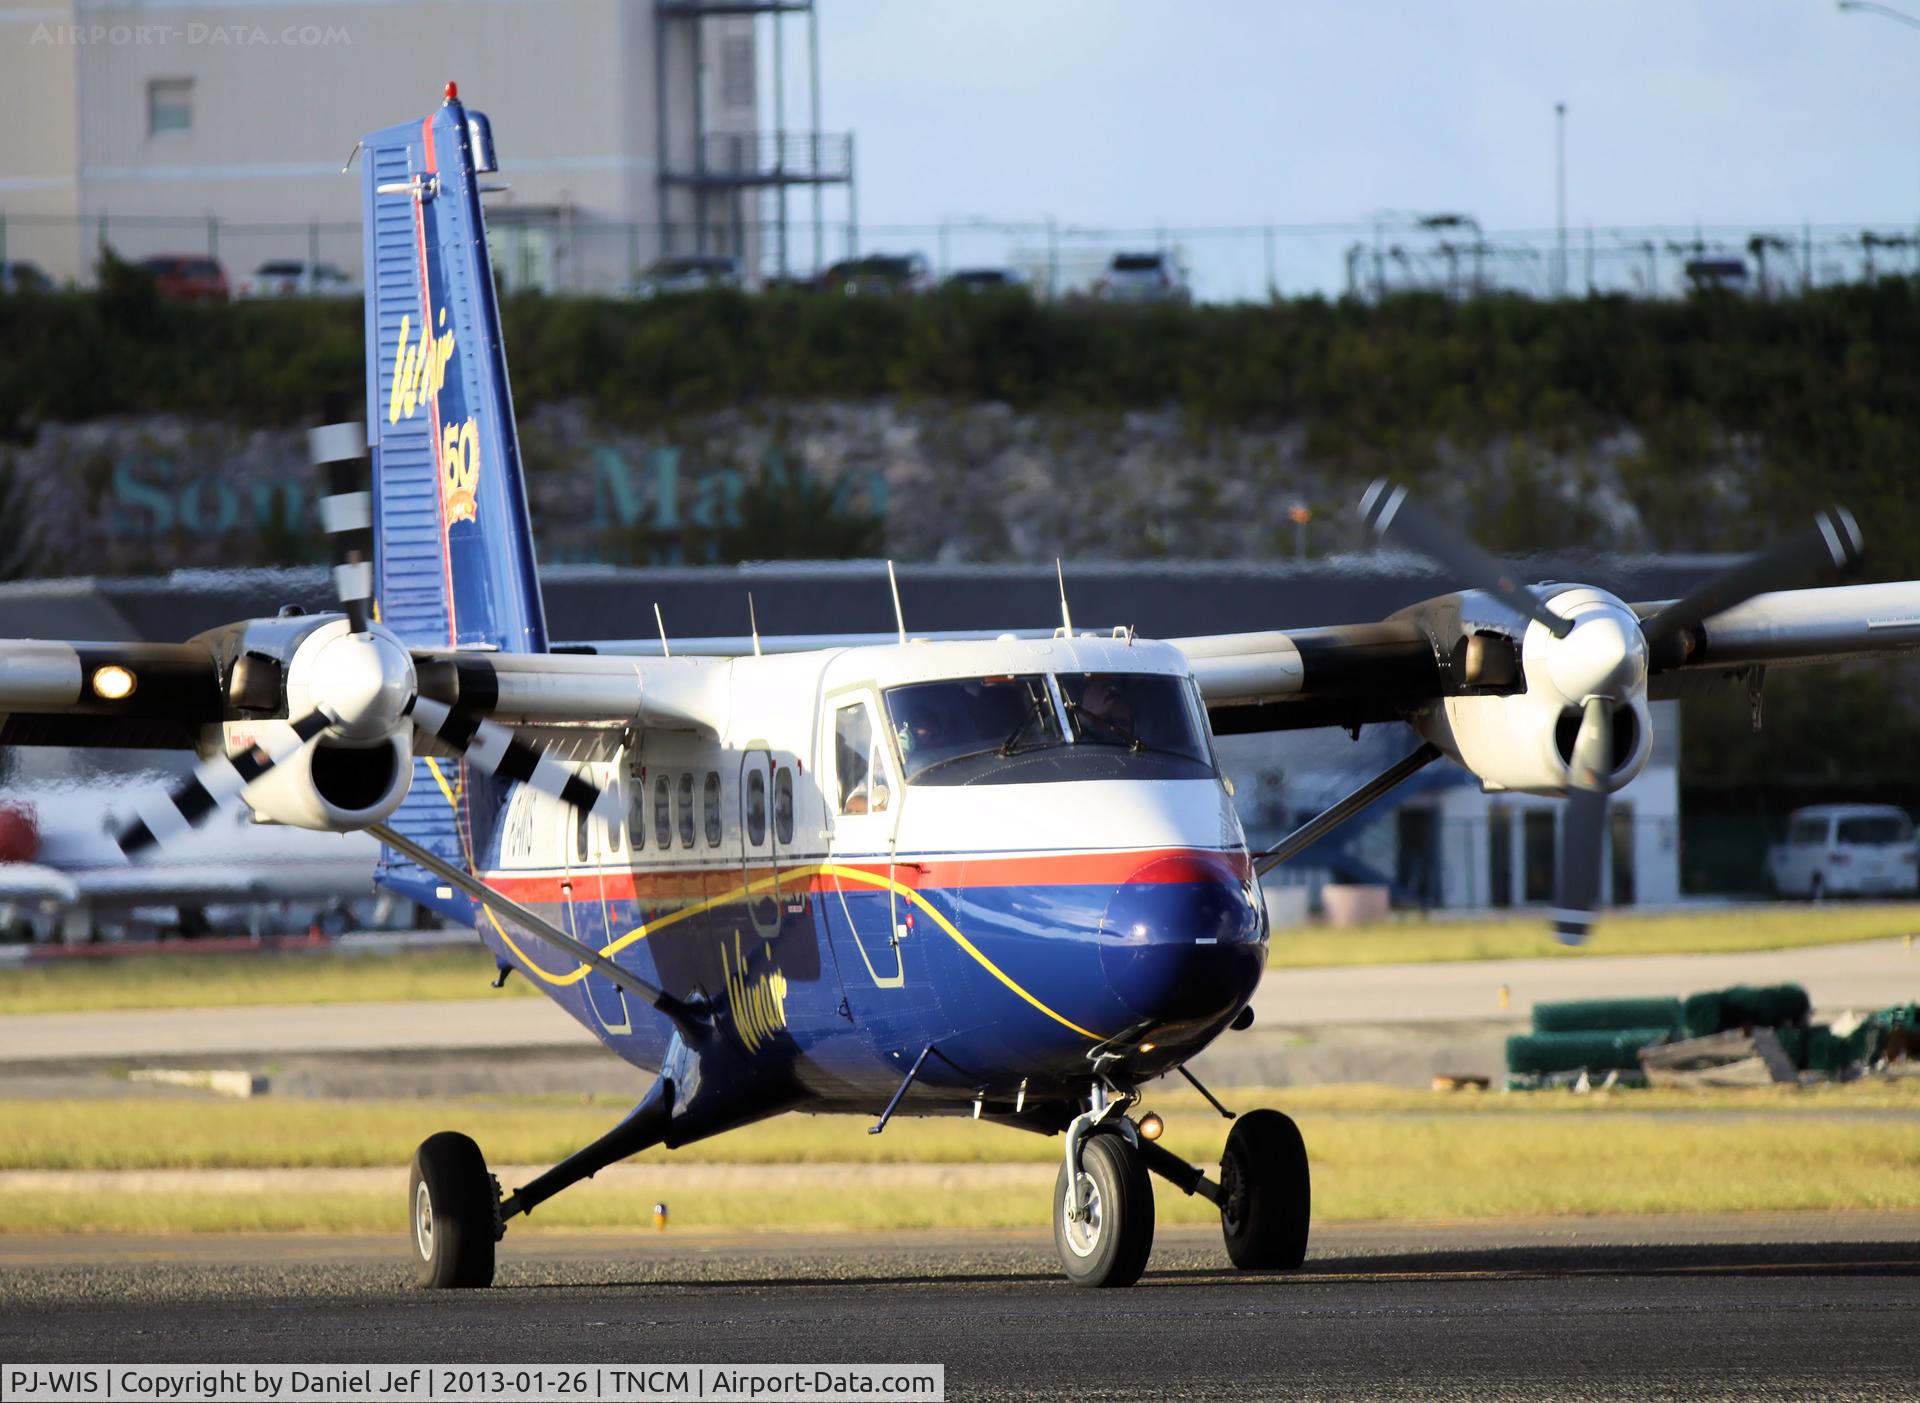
{"x":1180,"y":940}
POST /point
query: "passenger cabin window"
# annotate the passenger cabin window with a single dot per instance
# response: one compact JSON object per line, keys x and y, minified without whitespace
{"x":581,"y":819}
{"x":710,"y":809}
{"x":756,"y":808}
{"x":636,"y":814}
{"x":663,"y":813}
{"x":858,"y":768}
{"x":783,"y":807}
{"x":686,"y":810}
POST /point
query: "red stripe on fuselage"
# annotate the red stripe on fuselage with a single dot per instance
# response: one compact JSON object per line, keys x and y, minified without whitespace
{"x":1154,"y":865}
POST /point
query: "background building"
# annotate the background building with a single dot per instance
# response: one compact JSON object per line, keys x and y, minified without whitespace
{"x":626,"y":128}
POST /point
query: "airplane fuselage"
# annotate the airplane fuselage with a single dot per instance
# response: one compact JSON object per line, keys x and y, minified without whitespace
{"x":846,"y":881}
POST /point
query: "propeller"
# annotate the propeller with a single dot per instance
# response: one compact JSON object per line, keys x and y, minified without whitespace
{"x":1599,"y":660}
{"x":365,"y":685}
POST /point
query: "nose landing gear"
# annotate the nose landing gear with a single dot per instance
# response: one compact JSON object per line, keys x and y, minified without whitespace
{"x":1103,"y":1214}
{"x":1105,"y":1242}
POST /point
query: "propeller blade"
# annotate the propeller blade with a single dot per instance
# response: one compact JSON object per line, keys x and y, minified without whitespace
{"x":1834,"y":543}
{"x":216,"y":783}
{"x":1583,"y":827}
{"x":346,"y":514}
{"x":503,"y":755}
{"x":1390,"y":511}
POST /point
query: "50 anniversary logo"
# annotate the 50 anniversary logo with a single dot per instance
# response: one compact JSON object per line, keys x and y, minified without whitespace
{"x":419,"y":370}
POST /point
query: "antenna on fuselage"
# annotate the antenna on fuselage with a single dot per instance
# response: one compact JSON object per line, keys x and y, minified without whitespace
{"x":753,"y":623}
{"x":660,"y":619}
{"x":1066,"y":615}
{"x":899,"y":614}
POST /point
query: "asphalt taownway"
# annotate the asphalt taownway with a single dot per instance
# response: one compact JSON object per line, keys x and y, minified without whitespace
{"x":1732,"y":1307}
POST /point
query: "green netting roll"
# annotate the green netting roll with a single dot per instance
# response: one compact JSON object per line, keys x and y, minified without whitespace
{"x":1605,"y":1015}
{"x":1594,"y":1051}
{"x":1746,"y":1006}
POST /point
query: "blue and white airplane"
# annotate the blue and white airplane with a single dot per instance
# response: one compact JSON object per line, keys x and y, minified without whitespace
{"x":997,"y":876}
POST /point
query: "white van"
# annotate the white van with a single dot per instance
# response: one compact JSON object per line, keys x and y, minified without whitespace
{"x":1846,"y":849}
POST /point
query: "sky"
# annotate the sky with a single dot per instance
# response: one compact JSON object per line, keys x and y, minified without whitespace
{"x":1202,"y":112}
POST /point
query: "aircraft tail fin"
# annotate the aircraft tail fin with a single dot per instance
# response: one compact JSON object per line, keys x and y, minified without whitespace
{"x":453,"y":537}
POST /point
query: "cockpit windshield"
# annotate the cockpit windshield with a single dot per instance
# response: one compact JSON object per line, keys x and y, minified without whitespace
{"x":1034,"y":728}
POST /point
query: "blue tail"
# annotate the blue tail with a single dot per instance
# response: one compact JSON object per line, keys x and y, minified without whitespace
{"x":453,"y":544}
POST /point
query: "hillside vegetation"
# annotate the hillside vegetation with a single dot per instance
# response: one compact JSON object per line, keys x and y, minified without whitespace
{"x":1744,"y":411}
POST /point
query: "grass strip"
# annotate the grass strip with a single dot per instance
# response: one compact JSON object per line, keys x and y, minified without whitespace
{"x":1366,"y":1168}
{"x":1414,"y":940}
{"x":121,"y":1133}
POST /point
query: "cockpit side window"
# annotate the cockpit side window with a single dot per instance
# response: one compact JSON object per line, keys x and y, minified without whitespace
{"x":858,"y":771}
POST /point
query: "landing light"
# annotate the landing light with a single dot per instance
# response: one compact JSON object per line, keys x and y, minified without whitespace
{"x":1148,"y":1047}
{"x":113,"y":683}
{"x":1150,"y":1126}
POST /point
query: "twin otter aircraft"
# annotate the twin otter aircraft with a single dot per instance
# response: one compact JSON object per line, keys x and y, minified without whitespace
{"x":999,"y":877}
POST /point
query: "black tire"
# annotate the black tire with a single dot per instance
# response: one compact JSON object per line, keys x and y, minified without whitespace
{"x":1113,"y":1249}
{"x":1266,"y":1193}
{"x":451,"y":1214}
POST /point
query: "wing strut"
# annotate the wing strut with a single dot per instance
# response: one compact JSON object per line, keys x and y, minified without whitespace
{"x":536,"y":926}
{"x":1326,"y":821}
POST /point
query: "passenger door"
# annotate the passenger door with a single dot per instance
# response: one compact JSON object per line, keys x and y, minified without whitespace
{"x":863,"y":795}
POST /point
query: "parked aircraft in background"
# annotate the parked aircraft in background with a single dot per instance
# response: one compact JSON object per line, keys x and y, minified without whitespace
{"x":64,"y":877}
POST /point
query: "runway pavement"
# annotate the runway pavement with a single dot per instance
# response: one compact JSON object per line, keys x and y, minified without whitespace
{"x":1715,"y":1307}
{"x":1867,"y":974}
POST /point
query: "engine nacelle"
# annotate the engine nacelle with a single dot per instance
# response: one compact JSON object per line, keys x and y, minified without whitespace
{"x":333,"y":785}
{"x":1524,"y":740}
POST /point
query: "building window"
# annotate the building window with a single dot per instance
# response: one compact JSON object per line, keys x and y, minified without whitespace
{"x":1537,"y":847}
{"x":736,"y":70}
{"x":169,"y":105}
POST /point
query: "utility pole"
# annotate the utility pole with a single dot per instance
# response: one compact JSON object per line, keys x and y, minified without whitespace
{"x":1560,"y":191}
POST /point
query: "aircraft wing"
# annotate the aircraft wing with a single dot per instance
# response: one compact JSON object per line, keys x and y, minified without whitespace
{"x":1467,"y":644}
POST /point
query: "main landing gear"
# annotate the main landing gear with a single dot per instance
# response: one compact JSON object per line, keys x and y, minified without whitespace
{"x":457,"y":1213}
{"x":1103,"y":1200}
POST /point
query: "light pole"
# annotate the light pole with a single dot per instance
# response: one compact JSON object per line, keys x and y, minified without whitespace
{"x":1560,"y":191}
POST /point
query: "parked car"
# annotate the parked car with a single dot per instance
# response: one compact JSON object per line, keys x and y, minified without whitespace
{"x":897,"y":273}
{"x":18,"y":275}
{"x":1846,"y":849}
{"x":187,"y":277}
{"x":987,"y":279}
{"x":295,"y":277}
{"x":1143,"y":277}
{"x":689,"y":272}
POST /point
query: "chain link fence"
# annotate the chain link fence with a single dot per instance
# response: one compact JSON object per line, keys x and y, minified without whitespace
{"x":567,"y":252}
